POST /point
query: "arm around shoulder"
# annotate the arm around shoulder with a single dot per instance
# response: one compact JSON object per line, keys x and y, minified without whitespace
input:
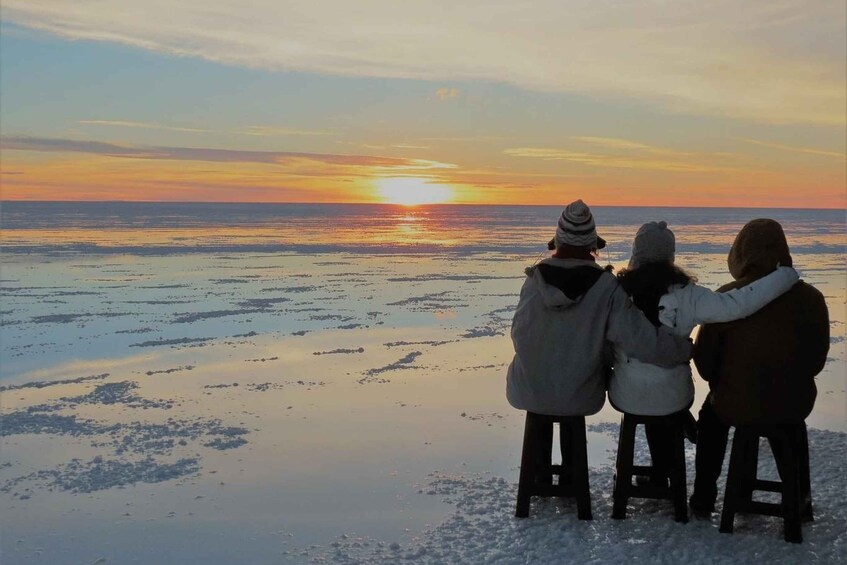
{"x":710,"y":307}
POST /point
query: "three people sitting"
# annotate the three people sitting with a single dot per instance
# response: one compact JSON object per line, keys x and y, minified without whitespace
{"x":579,"y":331}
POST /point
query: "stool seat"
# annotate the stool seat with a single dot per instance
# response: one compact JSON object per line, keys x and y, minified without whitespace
{"x":537,"y":470}
{"x":657,"y":487}
{"x":790,"y":446}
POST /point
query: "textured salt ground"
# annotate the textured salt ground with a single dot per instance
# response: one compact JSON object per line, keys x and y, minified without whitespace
{"x":43,"y":384}
{"x":472,"y":321}
{"x":482,"y":528}
{"x":131,"y":451}
{"x":428,"y":296}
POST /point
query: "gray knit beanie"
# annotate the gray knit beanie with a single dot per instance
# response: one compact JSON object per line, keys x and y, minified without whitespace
{"x":654,"y":243}
{"x":576,"y":228}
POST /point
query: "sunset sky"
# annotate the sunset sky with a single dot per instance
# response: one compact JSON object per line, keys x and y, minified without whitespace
{"x":691,"y":103}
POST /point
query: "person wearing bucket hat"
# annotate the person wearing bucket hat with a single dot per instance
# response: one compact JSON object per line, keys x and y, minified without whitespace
{"x":569,"y":313}
{"x":671,"y":298}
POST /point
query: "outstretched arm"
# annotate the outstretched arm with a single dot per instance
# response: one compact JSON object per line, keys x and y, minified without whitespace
{"x":705,"y":306}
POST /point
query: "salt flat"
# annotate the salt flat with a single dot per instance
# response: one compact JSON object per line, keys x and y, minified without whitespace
{"x":286,"y":405}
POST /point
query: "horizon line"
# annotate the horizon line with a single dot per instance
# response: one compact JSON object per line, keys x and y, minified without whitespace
{"x":423,"y":205}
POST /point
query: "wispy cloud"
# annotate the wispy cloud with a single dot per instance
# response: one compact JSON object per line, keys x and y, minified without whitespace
{"x":627,"y":145}
{"x":468,"y":138}
{"x":409,"y":146}
{"x":795,"y":149}
{"x":53,"y":145}
{"x":268,"y":131}
{"x":771,"y":61}
{"x":626,"y":154}
{"x":95,"y":170}
{"x":446,"y":93}
{"x":142,"y":125}
{"x":259,"y":131}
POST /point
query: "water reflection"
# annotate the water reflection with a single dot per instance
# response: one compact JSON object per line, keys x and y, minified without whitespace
{"x":350,"y":375}
{"x":138,"y":227}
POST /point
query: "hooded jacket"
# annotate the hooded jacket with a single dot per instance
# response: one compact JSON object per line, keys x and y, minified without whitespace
{"x":640,"y":388}
{"x":761,"y":370}
{"x":569,"y":311}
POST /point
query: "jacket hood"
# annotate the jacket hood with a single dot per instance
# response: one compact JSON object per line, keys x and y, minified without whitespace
{"x":758,"y":248}
{"x":563,"y":282}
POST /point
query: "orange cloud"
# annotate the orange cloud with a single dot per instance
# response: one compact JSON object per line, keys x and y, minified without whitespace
{"x":447,"y":93}
{"x":795,"y":149}
{"x":56,"y":169}
{"x":64,"y":169}
{"x":625,"y":154}
{"x":54,"y":145}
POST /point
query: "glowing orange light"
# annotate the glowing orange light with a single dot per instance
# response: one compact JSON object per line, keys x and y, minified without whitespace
{"x":412,"y":191}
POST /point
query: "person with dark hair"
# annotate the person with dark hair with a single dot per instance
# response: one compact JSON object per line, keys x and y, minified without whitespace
{"x":761,"y":370}
{"x":670,"y":297}
{"x":570,"y":311}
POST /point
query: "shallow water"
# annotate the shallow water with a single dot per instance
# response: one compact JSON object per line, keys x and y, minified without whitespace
{"x":276,"y":377}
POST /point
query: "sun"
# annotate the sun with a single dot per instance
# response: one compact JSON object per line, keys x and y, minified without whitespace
{"x":412,"y":191}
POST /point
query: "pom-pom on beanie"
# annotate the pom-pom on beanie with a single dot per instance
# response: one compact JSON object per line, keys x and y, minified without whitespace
{"x":654,"y":243}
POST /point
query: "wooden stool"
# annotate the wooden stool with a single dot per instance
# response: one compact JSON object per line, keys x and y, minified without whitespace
{"x":790,"y":447}
{"x":536,"y":478}
{"x":625,"y":469}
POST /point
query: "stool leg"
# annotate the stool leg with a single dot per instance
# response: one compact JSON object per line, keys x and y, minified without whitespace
{"x":660,"y":440}
{"x":791,"y":491}
{"x":623,"y":468}
{"x":679,"y":488}
{"x":750,"y":469}
{"x":807,"y":515}
{"x":527,"y":475}
{"x":578,"y":462}
{"x":543,"y":449}
{"x":734,"y":481}
{"x":566,"y":445}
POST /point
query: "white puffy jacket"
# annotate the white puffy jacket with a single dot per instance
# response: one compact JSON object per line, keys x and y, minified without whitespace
{"x":564,"y":322}
{"x":648,"y":390}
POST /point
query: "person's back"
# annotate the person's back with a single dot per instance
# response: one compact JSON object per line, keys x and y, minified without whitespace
{"x":570,"y":310}
{"x":670,"y":296}
{"x":761,"y":369}
{"x":559,"y":339}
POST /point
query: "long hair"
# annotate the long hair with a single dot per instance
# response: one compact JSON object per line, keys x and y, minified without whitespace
{"x":649,"y":282}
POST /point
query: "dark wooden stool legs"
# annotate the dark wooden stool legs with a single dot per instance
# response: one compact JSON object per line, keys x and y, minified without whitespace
{"x":790,"y":446}
{"x":625,"y":469}
{"x":806,"y":513}
{"x":536,"y":477}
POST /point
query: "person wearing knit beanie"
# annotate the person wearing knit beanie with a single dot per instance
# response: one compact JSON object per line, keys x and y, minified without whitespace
{"x":576,"y":228}
{"x":671,"y":297}
{"x":654,"y":243}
